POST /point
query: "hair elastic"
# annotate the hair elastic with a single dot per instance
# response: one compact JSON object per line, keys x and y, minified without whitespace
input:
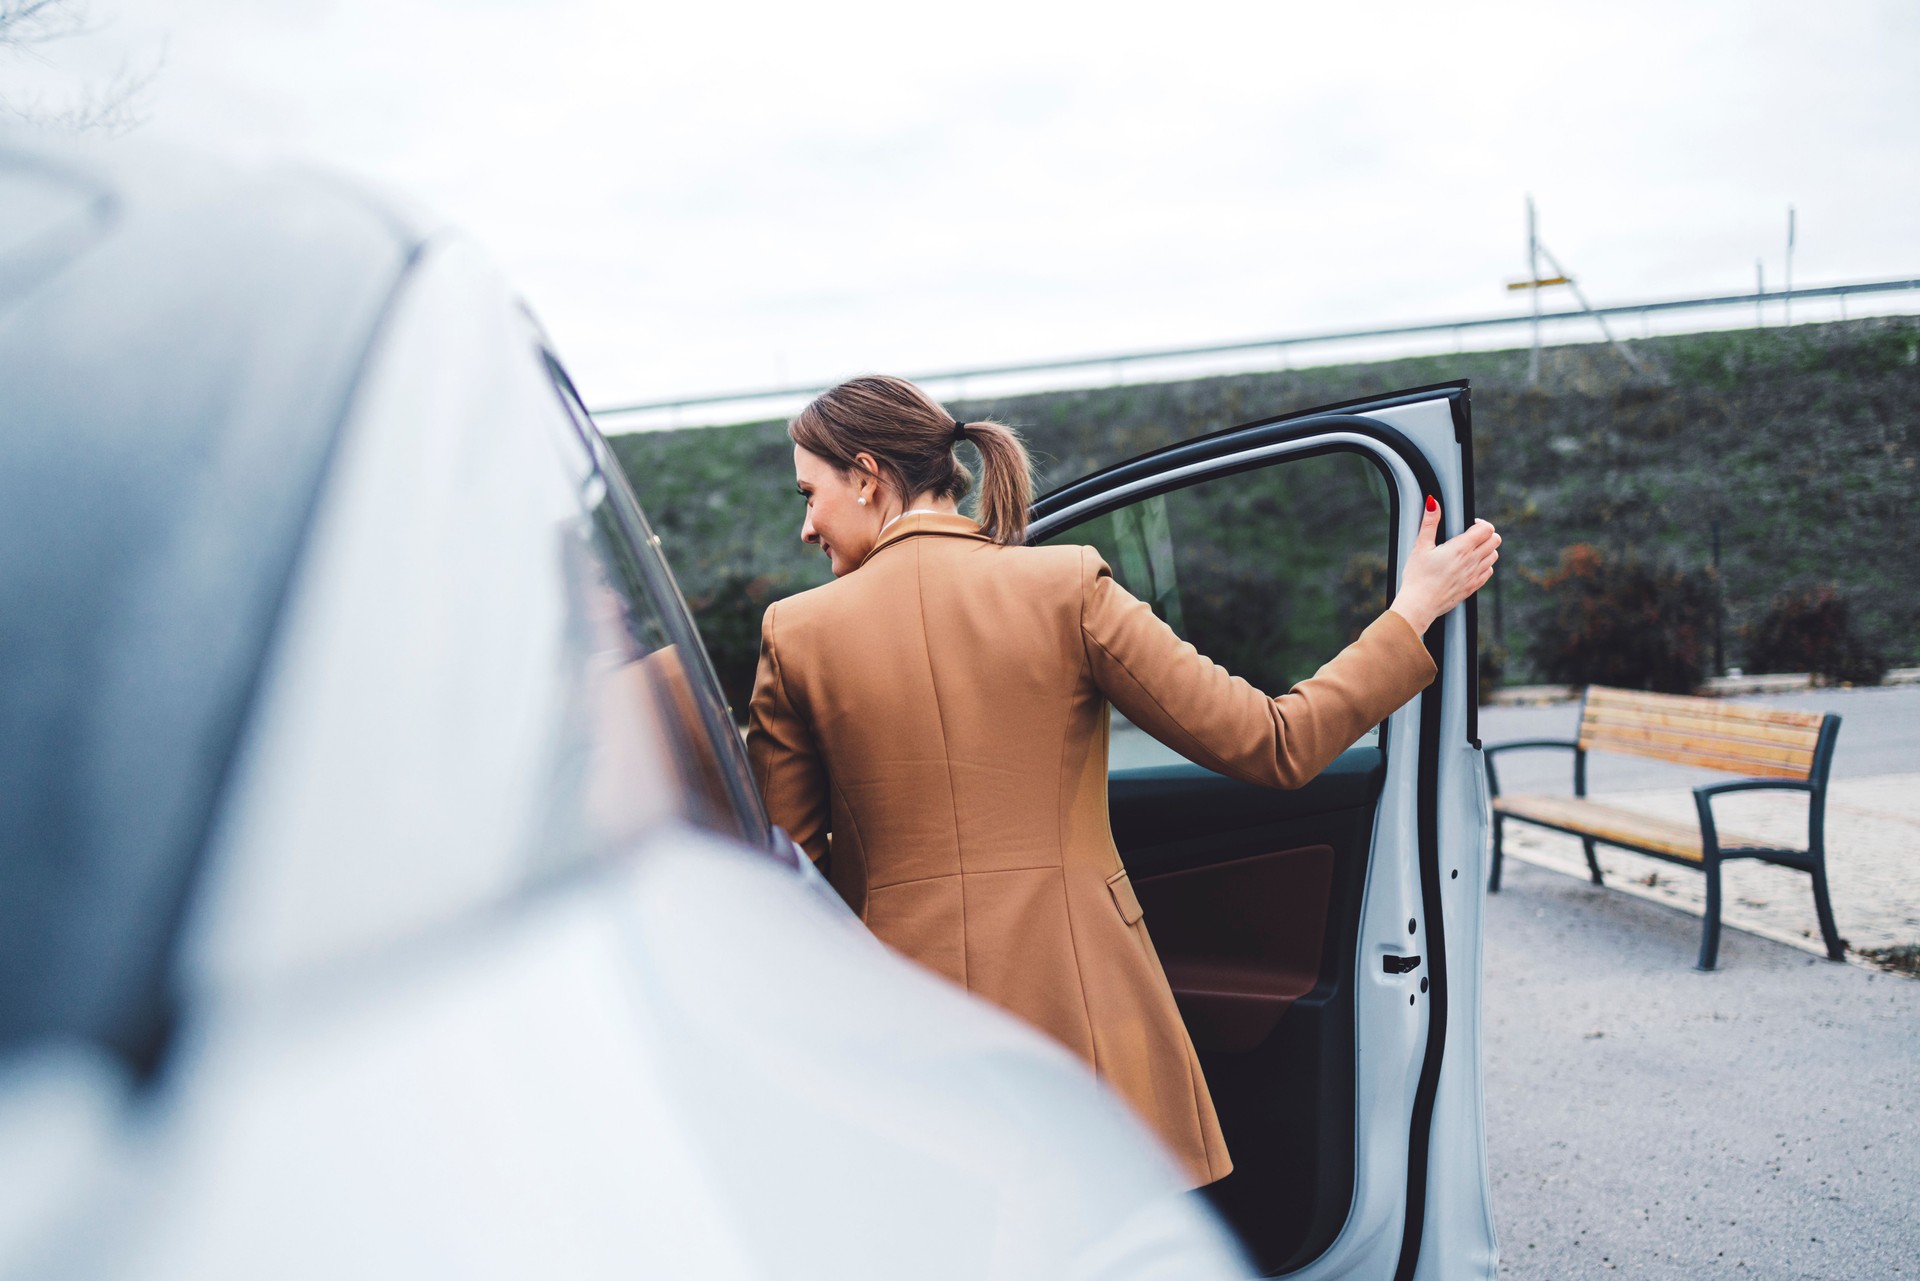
{"x":959,"y":431}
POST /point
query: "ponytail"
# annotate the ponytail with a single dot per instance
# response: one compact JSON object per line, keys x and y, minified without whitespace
{"x":1006,"y":482}
{"x":915,"y":442}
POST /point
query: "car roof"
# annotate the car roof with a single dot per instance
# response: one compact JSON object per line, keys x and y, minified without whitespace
{"x":180,"y":340}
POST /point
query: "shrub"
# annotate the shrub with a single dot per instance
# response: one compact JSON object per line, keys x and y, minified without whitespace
{"x":1493,"y":666}
{"x":1362,"y":594}
{"x":1813,"y":631}
{"x":1901,"y":958}
{"x":1624,"y":623}
{"x":728,"y":616}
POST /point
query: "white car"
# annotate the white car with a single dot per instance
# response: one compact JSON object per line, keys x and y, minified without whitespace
{"x":384,"y":893}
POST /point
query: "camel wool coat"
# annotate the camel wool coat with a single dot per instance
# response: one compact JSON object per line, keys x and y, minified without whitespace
{"x":941,"y":713}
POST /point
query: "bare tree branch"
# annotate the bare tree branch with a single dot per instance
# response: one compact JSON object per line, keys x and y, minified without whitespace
{"x":116,"y":106}
{"x":24,"y":23}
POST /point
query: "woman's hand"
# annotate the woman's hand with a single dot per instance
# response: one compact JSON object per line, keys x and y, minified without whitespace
{"x":1438,"y":578}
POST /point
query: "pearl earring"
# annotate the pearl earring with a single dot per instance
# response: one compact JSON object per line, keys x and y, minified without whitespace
{"x":862,"y":500}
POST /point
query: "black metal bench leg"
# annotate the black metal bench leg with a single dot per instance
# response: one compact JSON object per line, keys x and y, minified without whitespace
{"x":1836,"y":950}
{"x":1710,"y":930}
{"x":1499,"y":832}
{"x":1593,"y":862}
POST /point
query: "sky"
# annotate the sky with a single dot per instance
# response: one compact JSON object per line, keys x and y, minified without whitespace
{"x":705,"y":197}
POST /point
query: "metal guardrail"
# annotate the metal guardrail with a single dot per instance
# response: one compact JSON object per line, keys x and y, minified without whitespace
{"x":1289,"y":340}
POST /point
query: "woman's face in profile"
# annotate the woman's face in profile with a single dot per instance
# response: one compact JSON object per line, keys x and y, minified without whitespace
{"x":836,"y":521}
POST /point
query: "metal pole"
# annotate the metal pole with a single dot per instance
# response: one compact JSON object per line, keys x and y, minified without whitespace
{"x":1499,"y":614}
{"x":1719,"y":607}
{"x":1759,"y":296}
{"x":1789,"y":264}
{"x":1605,"y":329}
{"x":1533,"y":273}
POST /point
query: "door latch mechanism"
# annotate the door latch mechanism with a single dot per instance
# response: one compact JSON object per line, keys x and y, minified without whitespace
{"x":1399,"y":964}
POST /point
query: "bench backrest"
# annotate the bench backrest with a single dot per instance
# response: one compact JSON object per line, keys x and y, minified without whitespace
{"x":1761,"y":742}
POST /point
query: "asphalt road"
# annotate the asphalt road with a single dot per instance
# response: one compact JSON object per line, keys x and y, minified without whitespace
{"x":1645,"y":1118}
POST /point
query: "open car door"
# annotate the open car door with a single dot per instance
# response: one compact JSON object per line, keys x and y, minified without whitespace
{"x":1324,"y":944}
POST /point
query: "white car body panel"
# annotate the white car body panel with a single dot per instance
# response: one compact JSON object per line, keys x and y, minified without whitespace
{"x":678,"y":1064}
{"x":427,"y":606}
{"x":1458,"y":1238}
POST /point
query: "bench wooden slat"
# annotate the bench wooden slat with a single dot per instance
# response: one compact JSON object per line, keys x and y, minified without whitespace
{"x":1602,"y":696}
{"x":1732,"y":718}
{"x":1770,"y":762}
{"x":1762,"y":742}
{"x":1621,"y":738}
{"x":1715,"y":728}
{"x":1744,"y":769}
{"x":1619,"y":826}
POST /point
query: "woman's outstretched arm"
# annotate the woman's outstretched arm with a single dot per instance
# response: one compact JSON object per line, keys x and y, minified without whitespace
{"x":1166,"y":687}
{"x":780,"y":747}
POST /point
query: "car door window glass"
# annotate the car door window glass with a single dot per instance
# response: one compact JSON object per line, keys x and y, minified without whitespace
{"x":1268,"y":572}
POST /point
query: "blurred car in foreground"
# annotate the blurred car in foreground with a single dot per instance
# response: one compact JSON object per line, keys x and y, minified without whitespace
{"x":383,"y":890}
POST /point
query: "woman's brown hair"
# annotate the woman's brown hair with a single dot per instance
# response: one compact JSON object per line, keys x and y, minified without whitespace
{"x":913,"y":442}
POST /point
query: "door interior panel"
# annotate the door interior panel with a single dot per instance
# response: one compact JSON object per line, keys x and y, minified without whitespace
{"x":1241,"y":940}
{"x":1252,"y":897}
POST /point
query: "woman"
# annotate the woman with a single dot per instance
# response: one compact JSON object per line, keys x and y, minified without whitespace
{"x":937,"y":717}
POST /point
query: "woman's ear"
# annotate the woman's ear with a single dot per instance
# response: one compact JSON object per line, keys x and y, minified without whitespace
{"x":866,"y":476}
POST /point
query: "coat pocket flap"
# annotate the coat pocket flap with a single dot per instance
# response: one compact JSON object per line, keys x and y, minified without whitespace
{"x":1123,"y":896}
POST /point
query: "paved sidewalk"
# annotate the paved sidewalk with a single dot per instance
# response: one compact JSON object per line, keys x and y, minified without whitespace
{"x":1648,"y":1120}
{"x":1873,"y":821}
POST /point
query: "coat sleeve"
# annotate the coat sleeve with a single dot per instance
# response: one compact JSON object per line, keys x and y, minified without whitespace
{"x":780,"y":747}
{"x":1169,"y":689}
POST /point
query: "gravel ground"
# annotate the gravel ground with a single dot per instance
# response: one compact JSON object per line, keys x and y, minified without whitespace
{"x":1646,"y":1118}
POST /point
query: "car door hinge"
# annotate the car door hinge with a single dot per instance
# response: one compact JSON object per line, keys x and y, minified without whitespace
{"x":1398,"y":964}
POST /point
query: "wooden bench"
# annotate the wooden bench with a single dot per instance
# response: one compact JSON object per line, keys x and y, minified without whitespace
{"x":1773,"y":750}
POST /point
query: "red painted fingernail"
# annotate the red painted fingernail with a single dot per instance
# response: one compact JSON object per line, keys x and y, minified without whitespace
{"x":1432,"y":506}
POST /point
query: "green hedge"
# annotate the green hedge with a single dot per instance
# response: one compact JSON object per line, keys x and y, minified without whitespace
{"x":1802,"y":445}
